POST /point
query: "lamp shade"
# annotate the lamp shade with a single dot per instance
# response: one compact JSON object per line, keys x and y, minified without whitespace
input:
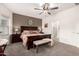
{"x":16,"y":29}
{"x":39,"y":28}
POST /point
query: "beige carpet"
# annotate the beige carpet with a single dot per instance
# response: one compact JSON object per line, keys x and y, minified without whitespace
{"x":59,"y":49}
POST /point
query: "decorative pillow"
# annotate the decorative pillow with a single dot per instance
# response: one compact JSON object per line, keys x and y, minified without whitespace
{"x":34,"y":32}
{"x":26,"y":32}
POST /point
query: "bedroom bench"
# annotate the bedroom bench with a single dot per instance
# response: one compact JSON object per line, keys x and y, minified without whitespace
{"x":37,"y":43}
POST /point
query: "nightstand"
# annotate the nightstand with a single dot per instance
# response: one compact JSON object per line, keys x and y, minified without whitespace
{"x":15,"y":38}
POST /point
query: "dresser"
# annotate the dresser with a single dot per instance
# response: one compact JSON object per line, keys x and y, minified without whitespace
{"x":15,"y":38}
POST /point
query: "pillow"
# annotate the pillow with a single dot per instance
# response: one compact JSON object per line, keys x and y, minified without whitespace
{"x":26,"y":32}
{"x":34,"y":32}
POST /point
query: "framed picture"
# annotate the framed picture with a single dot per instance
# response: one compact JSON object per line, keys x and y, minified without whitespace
{"x":30,"y":22}
{"x":46,"y":25}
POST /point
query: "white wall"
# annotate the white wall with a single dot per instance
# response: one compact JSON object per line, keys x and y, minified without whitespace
{"x":68,"y":20}
{"x":4,"y":11}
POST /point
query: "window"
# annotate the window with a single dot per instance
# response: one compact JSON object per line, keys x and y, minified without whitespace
{"x":4,"y":26}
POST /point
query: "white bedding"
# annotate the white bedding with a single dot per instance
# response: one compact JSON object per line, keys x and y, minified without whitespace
{"x":24,"y":37}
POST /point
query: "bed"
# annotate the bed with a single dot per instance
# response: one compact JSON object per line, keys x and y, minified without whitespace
{"x":30,"y":34}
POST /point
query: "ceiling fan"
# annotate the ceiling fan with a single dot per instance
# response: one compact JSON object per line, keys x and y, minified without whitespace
{"x":46,"y":9}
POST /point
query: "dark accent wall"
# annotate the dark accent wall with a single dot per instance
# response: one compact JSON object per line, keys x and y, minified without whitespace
{"x":21,"y":20}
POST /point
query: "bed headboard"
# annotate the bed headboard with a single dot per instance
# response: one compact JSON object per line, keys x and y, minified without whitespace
{"x":28,"y":28}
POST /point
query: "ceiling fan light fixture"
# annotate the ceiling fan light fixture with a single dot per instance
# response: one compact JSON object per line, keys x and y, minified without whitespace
{"x":45,"y":11}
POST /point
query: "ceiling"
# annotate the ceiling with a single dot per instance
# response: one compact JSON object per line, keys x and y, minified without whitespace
{"x":28,"y":8}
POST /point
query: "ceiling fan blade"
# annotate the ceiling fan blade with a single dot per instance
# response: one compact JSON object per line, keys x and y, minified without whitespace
{"x":49,"y":13}
{"x":40,"y":13}
{"x":37,"y":9}
{"x":54,"y":8}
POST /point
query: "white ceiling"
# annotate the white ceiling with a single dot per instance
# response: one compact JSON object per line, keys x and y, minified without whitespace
{"x":28,"y":8}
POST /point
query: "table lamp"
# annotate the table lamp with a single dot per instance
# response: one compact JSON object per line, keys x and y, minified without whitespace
{"x":16,"y":30}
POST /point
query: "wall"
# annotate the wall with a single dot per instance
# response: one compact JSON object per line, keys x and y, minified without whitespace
{"x":69,"y":25}
{"x":21,"y":20}
{"x":7,"y":13}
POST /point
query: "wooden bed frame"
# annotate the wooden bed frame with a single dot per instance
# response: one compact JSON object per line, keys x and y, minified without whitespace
{"x":33,"y":38}
{"x":28,"y":28}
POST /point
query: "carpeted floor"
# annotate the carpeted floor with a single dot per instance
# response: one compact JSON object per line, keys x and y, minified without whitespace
{"x":59,"y":49}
